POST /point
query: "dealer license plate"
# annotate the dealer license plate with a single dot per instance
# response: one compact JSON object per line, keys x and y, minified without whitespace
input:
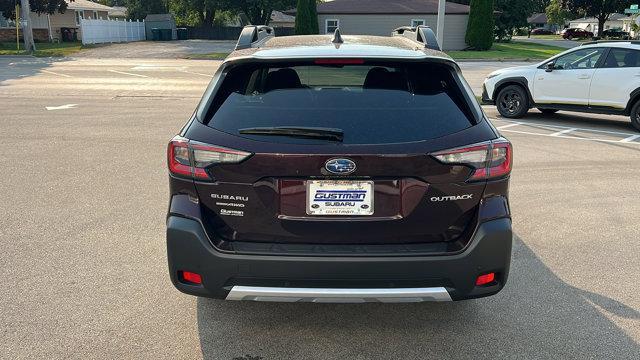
{"x":339,"y":197}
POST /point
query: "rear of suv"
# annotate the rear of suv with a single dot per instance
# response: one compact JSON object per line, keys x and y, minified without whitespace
{"x":344,"y":169}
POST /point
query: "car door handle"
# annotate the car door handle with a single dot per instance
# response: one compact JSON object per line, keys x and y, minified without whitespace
{"x":584,"y":76}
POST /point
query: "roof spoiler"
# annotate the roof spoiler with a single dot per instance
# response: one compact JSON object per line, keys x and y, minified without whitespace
{"x":254,"y":36}
{"x":635,"y":42}
{"x":420,"y":34}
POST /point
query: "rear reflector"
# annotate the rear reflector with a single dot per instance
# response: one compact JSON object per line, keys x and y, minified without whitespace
{"x":190,"y":277}
{"x":485,"y":279}
{"x":488,"y":160}
{"x":190,"y":158}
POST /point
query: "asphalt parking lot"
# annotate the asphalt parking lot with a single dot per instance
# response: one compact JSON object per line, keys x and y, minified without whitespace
{"x":82,"y":249}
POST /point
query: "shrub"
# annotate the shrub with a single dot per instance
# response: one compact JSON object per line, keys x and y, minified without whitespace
{"x":481,"y":25}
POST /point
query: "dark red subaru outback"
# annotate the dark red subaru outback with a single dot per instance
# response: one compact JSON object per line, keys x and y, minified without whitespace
{"x":339,"y":169}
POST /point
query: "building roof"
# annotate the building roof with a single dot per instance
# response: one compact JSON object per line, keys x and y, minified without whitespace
{"x":613,"y":17}
{"x":354,"y":46}
{"x":277,"y":16}
{"x":386,"y":7}
{"x":537,"y":18}
{"x":87,"y":5}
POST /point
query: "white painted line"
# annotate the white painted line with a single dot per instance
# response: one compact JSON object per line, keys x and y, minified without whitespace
{"x":126,"y":73}
{"x":569,"y":137}
{"x":195,"y":73}
{"x":61,"y":107}
{"x":562,"y":132}
{"x":527,"y":123}
{"x":509,"y":125}
{"x":55,"y":73}
{"x":630,"y":138}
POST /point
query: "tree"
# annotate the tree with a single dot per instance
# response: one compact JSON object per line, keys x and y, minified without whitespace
{"x":601,"y":9}
{"x":259,"y":11}
{"x":8,"y":7}
{"x":512,"y":14}
{"x":303,"y":18}
{"x":480,"y":27}
{"x":139,"y":9}
{"x":313,"y":12}
{"x":557,"y":14}
{"x":197,"y":12}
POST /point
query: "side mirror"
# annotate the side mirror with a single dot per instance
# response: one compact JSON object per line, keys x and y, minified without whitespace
{"x":550,"y":67}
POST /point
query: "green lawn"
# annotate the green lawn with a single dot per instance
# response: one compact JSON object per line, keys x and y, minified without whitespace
{"x":44,"y":49}
{"x":510,"y":50}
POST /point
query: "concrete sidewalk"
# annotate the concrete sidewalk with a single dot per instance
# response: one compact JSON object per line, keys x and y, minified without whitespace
{"x":158,"y":49}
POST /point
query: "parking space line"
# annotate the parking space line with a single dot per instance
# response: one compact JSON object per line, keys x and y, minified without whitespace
{"x":55,"y":73}
{"x":553,"y":126}
{"x":509,"y":125}
{"x":196,"y":73}
{"x":569,"y":137}
{"x":562,"y":132}
{"x":126,"y":73}
{"x":630,"y":138}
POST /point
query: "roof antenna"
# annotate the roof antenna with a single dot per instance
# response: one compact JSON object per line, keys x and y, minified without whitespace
{"x":337,"y":38}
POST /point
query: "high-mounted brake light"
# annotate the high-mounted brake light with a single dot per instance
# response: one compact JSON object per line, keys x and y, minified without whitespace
{"x":339,"y":61}
{"x":190,"y":158}
{"x":488,"y":160}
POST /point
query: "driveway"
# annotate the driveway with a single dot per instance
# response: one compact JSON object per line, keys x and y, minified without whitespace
{"x":158,"y":49}
{"x":567,"y":44}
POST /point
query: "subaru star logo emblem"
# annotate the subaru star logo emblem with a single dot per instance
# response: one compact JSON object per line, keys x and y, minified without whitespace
{"x":340,"y":166}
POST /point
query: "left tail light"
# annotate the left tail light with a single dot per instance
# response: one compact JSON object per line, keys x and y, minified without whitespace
{"x":488,"y":160}
{"x":190,"y":158}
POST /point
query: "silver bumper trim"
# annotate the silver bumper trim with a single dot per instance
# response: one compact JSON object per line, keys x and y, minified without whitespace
{"x":319,"y":295}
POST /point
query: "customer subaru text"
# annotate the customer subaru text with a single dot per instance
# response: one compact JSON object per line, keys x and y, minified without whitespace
{"x":331,"y":168}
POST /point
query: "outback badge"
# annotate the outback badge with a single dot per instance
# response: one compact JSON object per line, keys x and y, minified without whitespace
{"x":340,"y":166}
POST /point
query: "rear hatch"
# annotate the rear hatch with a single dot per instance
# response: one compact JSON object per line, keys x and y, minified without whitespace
{"x":339,"y":152}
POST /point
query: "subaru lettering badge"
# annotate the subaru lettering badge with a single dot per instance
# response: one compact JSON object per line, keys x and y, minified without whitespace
{"x":340,"y":166}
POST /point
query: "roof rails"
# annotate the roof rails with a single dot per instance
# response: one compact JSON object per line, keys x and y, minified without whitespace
{"x":635,"y":42}
{"x":254,"y":36}
{"x":421,"y":34}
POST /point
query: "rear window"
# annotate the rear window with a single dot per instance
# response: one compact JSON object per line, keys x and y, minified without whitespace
{"x":370,"y":103}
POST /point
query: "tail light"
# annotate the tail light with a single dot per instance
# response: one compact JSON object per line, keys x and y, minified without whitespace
{"x":488,"y":160}
{"x":190,"y":158}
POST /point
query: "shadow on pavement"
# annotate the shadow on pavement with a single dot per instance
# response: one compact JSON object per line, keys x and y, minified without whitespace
{"x":537,"y":315}
{"x":18,"y":67}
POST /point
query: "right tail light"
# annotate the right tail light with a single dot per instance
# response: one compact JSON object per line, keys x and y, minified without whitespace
{"x":488,"y":160}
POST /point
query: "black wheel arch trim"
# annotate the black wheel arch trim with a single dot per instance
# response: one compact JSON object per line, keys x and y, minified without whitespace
{"x":516,"y":80}
{"x":633,"y":98}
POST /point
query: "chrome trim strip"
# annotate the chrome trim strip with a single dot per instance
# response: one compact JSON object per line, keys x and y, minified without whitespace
{"x":337,"y":295}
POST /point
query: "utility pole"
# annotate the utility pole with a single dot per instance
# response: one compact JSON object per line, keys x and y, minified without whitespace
{"x":440,"y":25}
{"x":27,"y":32}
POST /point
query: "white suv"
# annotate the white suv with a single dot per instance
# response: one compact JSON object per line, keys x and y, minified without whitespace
{"x":597,"y":77}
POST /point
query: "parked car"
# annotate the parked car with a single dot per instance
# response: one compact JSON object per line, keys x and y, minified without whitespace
{"x":615,"y":34}
{"x":541,"y":31}
{"x":597,"y":77}
{"x":339,"y":169}
{"x":575,"y":33}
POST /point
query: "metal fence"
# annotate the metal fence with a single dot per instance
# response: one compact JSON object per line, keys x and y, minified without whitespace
{"x":109,"y":31}
{"x":227,"y":32}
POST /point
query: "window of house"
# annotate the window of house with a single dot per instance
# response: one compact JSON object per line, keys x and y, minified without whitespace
{"x":79,"y":16}
{"x":95,"y":15}
{"x":417,"y":22}
{"x":331,"y":25}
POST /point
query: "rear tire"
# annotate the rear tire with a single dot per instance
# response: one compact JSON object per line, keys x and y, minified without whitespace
{"x":548,"y":111}
{"x":635,"y":115}
{"x":512,"y":102}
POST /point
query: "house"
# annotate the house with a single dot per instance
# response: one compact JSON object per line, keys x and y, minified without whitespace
{"x":50,"y":27}
{"x":591,"y":24}
{"x":540,"y":21}
{"x":381,"y":17}
{"x":280,"y":19}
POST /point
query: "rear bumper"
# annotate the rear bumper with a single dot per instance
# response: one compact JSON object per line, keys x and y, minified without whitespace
{"x":338,"y":279}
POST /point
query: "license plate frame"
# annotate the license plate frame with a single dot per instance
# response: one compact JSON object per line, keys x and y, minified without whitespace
{"x":340,"y":198}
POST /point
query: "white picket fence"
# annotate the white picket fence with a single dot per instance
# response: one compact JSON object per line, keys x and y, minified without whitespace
{"x":110,"y":31}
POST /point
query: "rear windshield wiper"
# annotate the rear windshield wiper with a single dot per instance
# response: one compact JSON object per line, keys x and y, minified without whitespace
{"x":303,"y":132}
